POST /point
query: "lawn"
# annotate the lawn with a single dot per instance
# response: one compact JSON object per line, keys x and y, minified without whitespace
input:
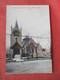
{"x":29,"y":59}
{"x":35,"y":58}
{"x":10,"y":60}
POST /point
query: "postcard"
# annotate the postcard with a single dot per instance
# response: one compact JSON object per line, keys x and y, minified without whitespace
{"x":28,"y":39}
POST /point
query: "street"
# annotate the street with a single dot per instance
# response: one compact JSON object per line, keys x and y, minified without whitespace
{"x":37,"y":66}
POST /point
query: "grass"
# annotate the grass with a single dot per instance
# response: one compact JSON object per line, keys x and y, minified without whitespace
{"x":30,"y":59}
{"x":34,"y":58}
{"x":10,"y":60}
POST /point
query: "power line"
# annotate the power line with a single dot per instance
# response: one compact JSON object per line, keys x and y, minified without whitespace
{"x":32,"y":36}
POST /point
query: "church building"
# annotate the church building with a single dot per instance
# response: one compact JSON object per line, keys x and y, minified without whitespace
{"x":23,"y":48}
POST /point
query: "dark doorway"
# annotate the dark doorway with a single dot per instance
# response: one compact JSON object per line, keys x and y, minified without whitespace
{"x":16,"y":52}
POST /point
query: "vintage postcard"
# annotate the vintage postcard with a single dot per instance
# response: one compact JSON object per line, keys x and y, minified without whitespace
{"x":28,"y":39}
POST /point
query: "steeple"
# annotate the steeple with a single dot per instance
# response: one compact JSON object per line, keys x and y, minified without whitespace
{"x":16,"y":24}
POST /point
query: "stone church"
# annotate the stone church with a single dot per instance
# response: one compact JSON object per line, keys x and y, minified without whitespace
{"x":23,"y":48}
{"x":16,"y":41}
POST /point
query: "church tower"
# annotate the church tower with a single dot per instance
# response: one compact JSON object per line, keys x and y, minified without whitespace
{"x":16,"y":41}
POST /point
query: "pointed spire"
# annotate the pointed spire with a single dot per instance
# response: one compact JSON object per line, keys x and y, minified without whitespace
{"x":16,"y":24}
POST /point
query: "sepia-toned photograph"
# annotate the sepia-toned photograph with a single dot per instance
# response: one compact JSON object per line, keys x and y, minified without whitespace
{"x":28,"y":39}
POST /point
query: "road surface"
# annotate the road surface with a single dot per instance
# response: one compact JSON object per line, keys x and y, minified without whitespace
{"x":37,"y":66}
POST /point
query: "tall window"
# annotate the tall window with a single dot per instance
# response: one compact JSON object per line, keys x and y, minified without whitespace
{"x":31,"y":49}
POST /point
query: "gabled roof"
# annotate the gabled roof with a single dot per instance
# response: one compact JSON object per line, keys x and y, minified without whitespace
{"x":16,"y":45}
{"x":27,"y":40}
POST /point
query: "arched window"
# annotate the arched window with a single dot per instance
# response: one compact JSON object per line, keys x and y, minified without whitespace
{"x":16,"y":33}
{"x":31,"y":49}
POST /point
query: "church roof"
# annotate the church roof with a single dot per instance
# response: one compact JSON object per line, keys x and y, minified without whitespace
{"x":27,"y":40}
{"x":16,"y":45}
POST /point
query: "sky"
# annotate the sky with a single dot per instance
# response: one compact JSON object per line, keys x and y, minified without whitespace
{"x":34,"y":20}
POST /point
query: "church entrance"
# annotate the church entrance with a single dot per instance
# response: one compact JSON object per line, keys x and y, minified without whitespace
{"x":16,"y":52}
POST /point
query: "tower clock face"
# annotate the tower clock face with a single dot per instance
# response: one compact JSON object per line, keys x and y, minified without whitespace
{"x":16,"y":33}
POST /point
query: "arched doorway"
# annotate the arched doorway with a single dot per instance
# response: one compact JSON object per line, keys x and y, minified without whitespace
{"x":17,"y":49}
{"x":31,"y":50}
